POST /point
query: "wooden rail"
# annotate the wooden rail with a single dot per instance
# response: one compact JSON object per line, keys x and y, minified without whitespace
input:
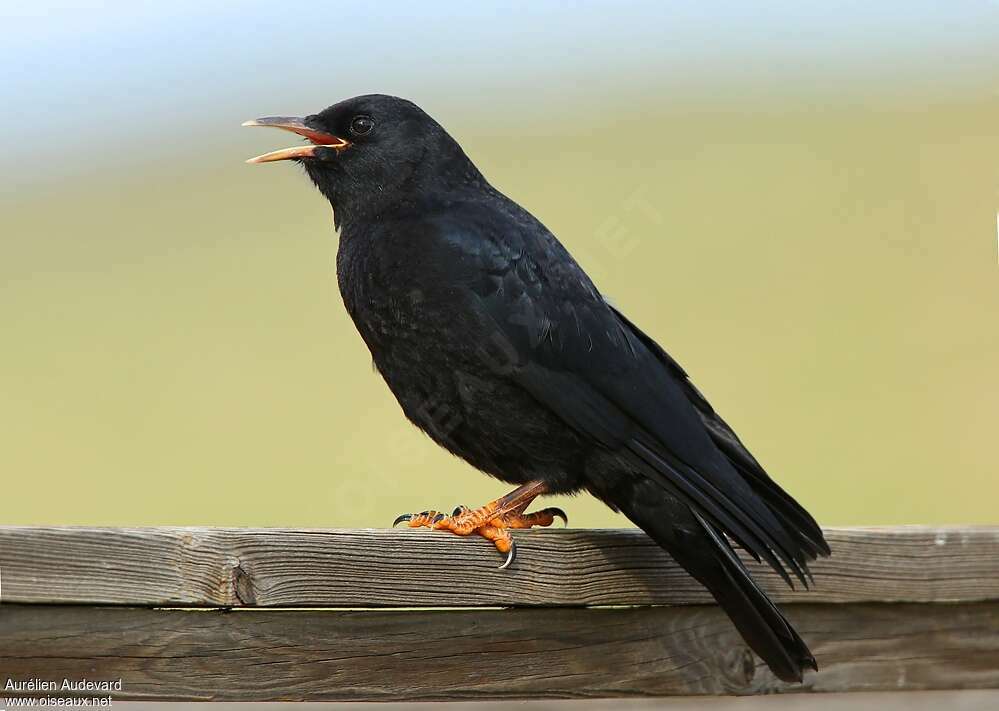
{"x":582,"y":613}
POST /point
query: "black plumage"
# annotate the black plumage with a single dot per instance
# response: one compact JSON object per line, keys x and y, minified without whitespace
{"x":498,"y":345}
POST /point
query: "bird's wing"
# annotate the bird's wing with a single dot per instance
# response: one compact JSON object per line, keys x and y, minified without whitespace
{"x":796,"y":520}
{"x":561,"y":341}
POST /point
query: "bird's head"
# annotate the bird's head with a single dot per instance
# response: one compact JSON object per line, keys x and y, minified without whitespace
{"x":368,"y":151}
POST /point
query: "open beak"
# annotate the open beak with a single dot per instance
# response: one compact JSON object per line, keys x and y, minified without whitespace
{"x":319,"y":139}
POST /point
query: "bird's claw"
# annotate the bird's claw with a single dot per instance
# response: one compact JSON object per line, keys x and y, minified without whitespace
{"x":511,"y":555}
{"x":431,"y":517}
{"x":559,"y":513}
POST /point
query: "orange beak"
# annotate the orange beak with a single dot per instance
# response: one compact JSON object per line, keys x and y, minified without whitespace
{"x":319,"y":139}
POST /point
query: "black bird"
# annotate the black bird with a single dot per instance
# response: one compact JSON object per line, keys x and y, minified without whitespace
{"x":497,"y":344}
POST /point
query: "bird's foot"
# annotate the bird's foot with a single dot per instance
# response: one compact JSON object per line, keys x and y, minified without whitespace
{"x":492,"y":521}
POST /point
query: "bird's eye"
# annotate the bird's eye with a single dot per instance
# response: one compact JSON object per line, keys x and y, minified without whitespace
{"x":361,"y":125}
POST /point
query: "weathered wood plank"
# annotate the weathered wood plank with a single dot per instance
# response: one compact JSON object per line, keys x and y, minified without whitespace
{"x":386,"y":568}
{"x":314,"y":655}
{"x":953,"y":700}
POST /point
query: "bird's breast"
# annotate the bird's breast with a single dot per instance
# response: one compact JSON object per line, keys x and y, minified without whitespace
{"x":399,"y":311}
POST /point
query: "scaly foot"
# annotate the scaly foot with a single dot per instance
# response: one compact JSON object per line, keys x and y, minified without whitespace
{"x":493,"y":520}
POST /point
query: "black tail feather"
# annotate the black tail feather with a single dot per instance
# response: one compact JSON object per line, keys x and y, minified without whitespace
{"x":708,"y":556}
{"x":799,"y":524}
{"x":758,"y":619}
{"x":789,"y":533}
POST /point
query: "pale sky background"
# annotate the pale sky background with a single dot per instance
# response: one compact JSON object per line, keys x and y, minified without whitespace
{"x":133,"y":76}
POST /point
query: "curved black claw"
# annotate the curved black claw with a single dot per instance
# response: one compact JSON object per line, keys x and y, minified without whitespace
{"x":458,"y":510}
{"x":404,"y":517}
{"x":511,"y":556}
{"x":439,"y":517}
{"x":559,"y":513}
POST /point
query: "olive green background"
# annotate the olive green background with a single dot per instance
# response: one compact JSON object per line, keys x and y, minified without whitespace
{"x":820,"y":256}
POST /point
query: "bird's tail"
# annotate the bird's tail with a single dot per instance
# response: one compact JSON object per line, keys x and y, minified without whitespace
{"x":707,"y":555}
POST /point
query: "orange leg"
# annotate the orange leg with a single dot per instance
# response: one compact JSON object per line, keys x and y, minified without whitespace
{"x":493,"y":520}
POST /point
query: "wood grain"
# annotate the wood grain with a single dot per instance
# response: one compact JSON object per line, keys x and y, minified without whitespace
{"x":313,"y":655}
{"x":213,"y":567}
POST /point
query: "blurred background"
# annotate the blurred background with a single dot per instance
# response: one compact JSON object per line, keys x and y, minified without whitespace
{"x":798,"y":200}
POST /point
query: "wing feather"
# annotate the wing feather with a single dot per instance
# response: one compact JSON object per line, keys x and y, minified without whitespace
{"x":590,"y":366}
